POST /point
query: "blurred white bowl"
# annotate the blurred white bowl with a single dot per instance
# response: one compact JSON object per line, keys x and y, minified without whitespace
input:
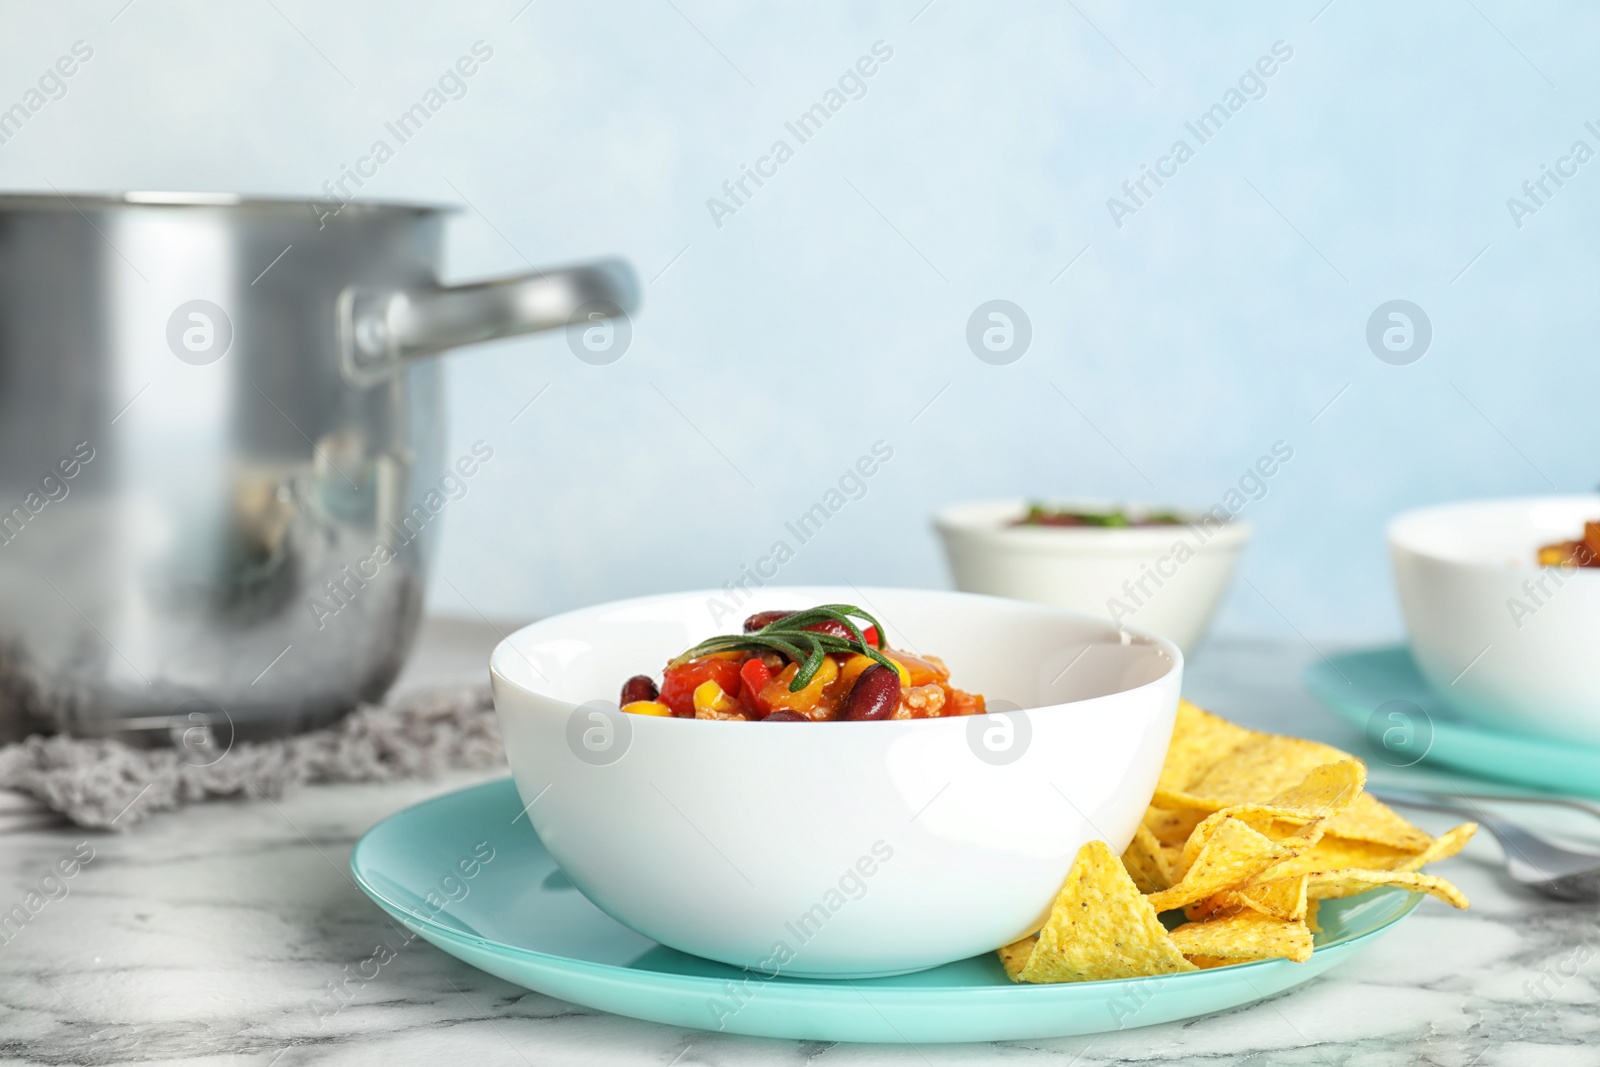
{"x":1168,"y":580}
{"x":862,"y":848}
{"x":1505,"y":642}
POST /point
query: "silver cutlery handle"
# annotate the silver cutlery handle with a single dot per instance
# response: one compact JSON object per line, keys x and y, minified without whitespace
{"x":1471,"y":800}
{"x":1526,"y":852}
{"x":1428,"y":801}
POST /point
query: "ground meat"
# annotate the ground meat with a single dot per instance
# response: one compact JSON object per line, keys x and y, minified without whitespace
{"x":964,"y":703}
{"x":725,"y":716}
{"x":920,"y":702}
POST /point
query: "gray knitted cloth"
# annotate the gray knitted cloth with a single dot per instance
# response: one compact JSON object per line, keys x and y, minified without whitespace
{"x":111,"y":785}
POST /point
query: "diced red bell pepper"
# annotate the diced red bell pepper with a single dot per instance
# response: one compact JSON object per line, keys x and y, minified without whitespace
{"x":678,"y":683}
{"x":753,"y":677}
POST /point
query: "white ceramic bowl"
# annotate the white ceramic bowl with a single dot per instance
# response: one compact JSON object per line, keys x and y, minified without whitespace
{"x":1168,"y":580}
{"x":842,"y":849}
{"x":1505,"y":642}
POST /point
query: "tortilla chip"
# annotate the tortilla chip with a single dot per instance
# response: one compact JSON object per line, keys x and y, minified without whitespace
{"x":1173,"y":827}
{"x":1247,"y":833}
{"x":1259,"y":770}
{"x":1178,"y":801}
{"x":1200,"y":741}
{"x":1334,"y":852}
{"x":1248,"y":935}
{"x":1100,"y":927}
{"x":1147,"y":863}
{"x":1262,"y":769}
{"x":1443,"y":847}
{"x":1205,"y":832}
{"x":1370,"y":820}
{"x":1347,"y":883}
{"x":1282,"y":898}
{"x":1205,"y":963}
{"x":1270,"y":762}
{"x":1014,"y":957}
{"x":1324,"y":790}
{"x":1263,"y":820}
{"x":1199,"y":839}
{"x":1293,"y":813}
{"x":1232,"y":854}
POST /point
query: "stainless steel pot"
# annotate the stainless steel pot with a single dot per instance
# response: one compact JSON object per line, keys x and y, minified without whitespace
{"x":221,"y":451}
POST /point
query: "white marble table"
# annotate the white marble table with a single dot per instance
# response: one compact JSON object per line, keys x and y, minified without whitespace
{"x":205,"y":935}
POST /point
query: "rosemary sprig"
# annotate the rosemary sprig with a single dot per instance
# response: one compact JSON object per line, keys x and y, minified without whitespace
{"x":789,"y":638}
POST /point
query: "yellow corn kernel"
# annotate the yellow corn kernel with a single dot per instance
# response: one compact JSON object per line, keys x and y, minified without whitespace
{"x":851,"y":669}
{"x":806,"y":700}
{"x":918,"y":670}
{"x":855,"y":664}
{"x":710,"y":702}
{"x":646,"y":707}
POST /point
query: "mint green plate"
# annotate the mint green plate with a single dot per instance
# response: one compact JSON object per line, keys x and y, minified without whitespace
{"x":461,"y":873}
{"x":1380,"y":692}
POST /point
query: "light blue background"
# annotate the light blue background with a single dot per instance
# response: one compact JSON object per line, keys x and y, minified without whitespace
{"x":827,"y":312}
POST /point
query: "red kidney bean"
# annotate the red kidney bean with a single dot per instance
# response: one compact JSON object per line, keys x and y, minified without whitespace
{"x":831,"y":627}
{"x":875,"y":695}
{"x":786,"y":716}
{"x":639,"y":687}
{"x":764,"y":618}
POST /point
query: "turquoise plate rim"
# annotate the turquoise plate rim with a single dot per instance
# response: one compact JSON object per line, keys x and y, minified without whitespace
{"x":1522,"y":759}
{"x":1265,"y":978}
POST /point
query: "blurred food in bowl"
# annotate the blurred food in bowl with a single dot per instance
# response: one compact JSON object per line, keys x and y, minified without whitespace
{"x":1506,"y":642}
{"x":1160,"y":569}
{"x":1584,"y":552}
{"x":1046,"y":515}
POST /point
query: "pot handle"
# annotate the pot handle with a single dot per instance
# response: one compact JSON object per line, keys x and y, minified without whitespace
{"x":381,"y":330}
